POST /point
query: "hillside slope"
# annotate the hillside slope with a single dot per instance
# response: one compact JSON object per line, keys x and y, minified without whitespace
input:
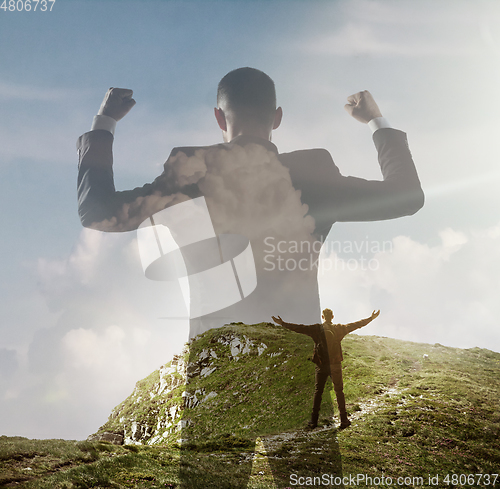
{"x":258,"y":380}
{"x":243,"y":380}
{"x":238,"y":422}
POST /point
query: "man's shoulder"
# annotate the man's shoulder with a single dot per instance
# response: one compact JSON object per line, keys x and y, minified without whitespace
{"x":306,"y":155}
{"x":315,"y":166}
{"x":313,"y":172}
{"x":292,"y":158}
{"x":318,"y":325}
{"x":191,"y":150}
{"x":317,"y":330}
{"x":309,"y":329}
{"x":339,"y":327}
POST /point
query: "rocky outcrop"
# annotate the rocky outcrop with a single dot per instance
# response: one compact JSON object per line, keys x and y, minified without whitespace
{"x":155,"y":412}
{"x":114,"y":438}
{"x":246,"y":381}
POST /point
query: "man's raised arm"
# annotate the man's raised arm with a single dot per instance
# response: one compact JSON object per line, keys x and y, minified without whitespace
{"x":363,"y":322}
{"x":100,"y":206}
{"x":400,"y":193}
{"x":298,"y":328}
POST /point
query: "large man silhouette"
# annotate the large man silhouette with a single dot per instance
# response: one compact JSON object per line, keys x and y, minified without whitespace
{"x":283,"y":203}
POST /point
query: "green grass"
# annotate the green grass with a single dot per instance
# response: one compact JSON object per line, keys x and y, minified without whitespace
{"x":446,"y":418}
{"x":435,"y":416}
{"x":256,"y":394}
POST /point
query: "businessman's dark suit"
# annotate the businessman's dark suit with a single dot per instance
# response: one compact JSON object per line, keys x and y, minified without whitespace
{"x":329,"y":197}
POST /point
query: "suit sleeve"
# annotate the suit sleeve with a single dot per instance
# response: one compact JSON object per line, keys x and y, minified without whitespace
{"x":332,"y":197}
{"x":100,"y":205}
{"x":398,"y":194}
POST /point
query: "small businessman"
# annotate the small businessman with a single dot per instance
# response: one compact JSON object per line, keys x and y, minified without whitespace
{"x":328,"y":358}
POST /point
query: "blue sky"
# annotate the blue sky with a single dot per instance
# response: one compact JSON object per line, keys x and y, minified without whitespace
{"x":79,"y":320}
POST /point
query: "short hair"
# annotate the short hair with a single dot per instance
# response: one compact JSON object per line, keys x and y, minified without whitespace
{"x":327,"y":312}
{"x":249,"y":94}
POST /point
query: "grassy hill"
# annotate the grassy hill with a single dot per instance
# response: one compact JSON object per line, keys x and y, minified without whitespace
{"x":247,"y":398}
{"x":243,"y":380}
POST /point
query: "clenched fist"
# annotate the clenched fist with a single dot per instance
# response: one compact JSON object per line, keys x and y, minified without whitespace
{"x":362,"y":106}
{"x":117,"y":103}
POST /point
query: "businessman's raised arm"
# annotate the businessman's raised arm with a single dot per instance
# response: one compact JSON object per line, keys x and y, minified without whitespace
{"x":100,"y":206}
{"x":399,"y":193}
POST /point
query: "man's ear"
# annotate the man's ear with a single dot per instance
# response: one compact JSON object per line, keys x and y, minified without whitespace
{"x":277,"y":118}
{"x":221,"y":118}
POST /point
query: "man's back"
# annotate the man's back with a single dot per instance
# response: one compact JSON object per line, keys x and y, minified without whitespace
{"x":283,"y":204}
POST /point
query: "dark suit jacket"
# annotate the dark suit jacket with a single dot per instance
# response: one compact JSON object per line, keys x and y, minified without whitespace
{"x":329,"y":197}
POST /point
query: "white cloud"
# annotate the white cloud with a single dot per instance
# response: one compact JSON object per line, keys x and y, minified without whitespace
{"x":30,"y":93}
{"x":42,"y":122}
{"x":446,"y":293}
{"x":423,"y":12}
{"x":355,"y":40}
{"x":452,"y":241}
{"x":88,"y":349}
{"x":380,"y":28}
{"x":106,"y":334}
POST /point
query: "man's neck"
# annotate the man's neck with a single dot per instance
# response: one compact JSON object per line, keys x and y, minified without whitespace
{"x":255,"y":132}
{"x":244,"y":140}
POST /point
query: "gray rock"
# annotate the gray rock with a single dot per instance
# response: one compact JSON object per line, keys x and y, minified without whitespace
{"x":114,"y":438}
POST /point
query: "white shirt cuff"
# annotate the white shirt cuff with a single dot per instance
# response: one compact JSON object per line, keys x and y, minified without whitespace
{"x":378,"y":123}
{"x":104,"y":122}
